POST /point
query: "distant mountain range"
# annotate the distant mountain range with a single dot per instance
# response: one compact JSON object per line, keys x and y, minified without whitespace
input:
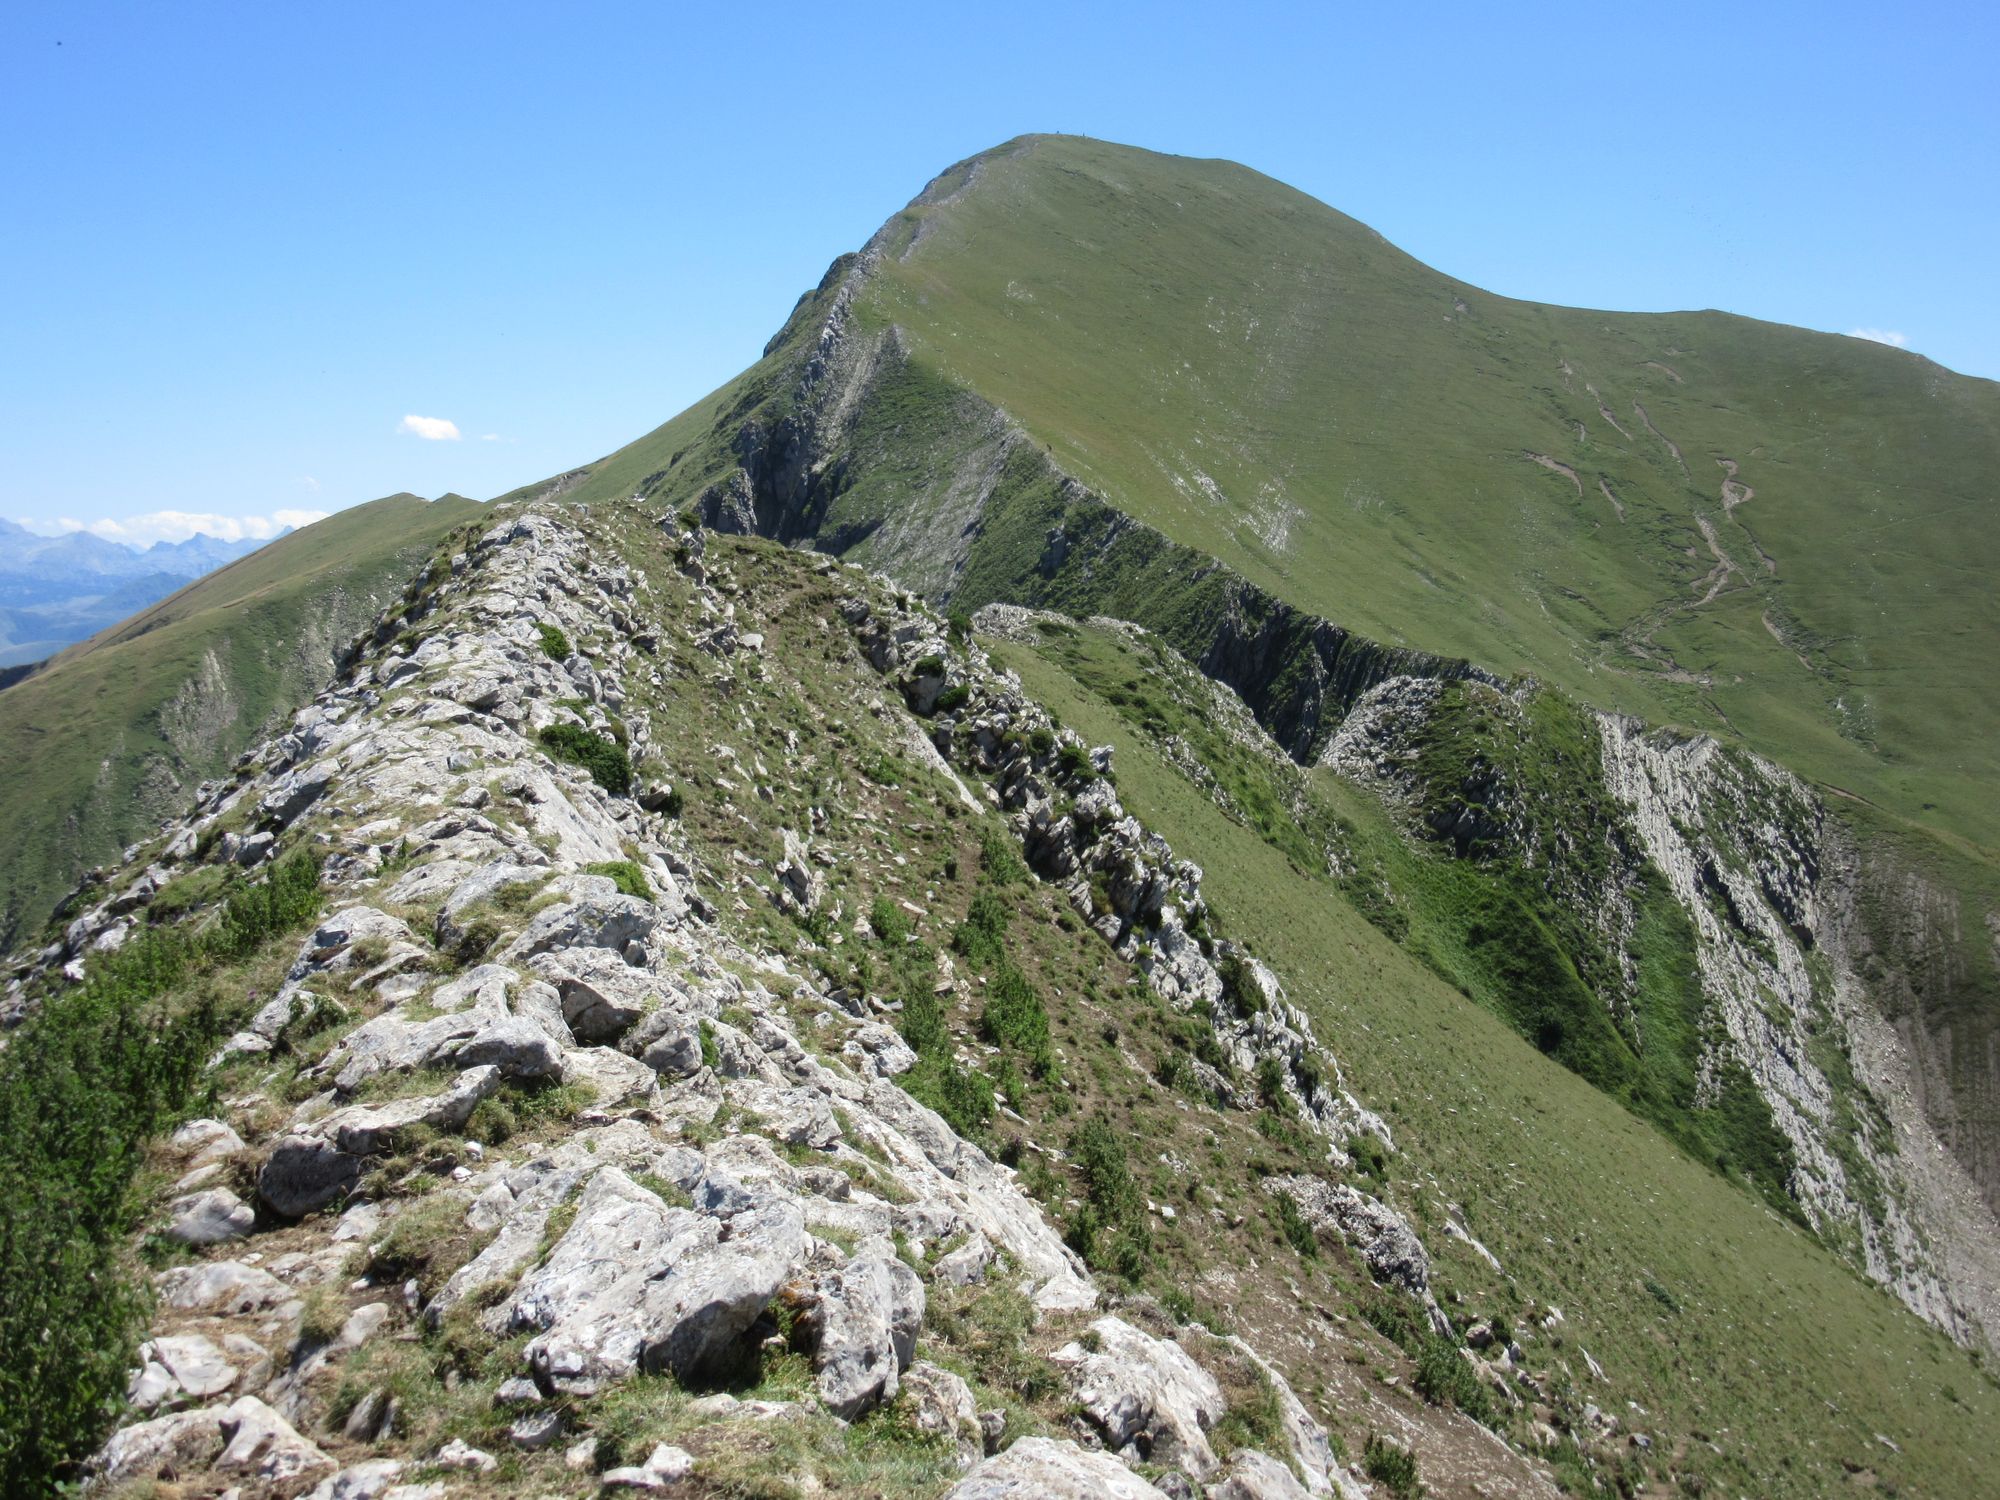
{"x":57,"y":590}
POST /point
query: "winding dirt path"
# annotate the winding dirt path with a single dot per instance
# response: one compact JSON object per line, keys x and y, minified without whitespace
{"x":1733,"y":492}
{"x":1615,"y":505}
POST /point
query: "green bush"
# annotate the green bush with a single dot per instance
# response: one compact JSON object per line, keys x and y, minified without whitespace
{"x":1445,"y":1379}
{"x":606,"y":761}
{"x":555,"y":645}
{"x":891,"y":925}
{"x":1391,"y":1466}
{"x":952,"y":699}
{"x":999,"y":859}
{"x":102,"y":1068}
{"x":959,"y":623}
{"x":1297,"y":1232}
{"x":1110,"y":1229}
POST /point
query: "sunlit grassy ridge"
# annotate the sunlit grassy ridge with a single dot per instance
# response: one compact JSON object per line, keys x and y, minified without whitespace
{"x":115,"y":733}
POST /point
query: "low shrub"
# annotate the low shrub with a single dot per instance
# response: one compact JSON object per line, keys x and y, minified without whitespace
{"x":1392,"y":1466}
{"x":103,"y":1067}
{"x":555,"y":645}
{"x":606,"y":761}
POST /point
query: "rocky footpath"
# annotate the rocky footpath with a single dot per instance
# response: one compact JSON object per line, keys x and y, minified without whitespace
{"x":517,"y":1090}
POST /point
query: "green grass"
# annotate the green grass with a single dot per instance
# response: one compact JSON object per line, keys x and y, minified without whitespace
{"x":114,"y":734}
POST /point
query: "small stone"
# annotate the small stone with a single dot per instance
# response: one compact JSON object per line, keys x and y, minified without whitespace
{"x":466,"y":1459}
{"x":536,"y":1430}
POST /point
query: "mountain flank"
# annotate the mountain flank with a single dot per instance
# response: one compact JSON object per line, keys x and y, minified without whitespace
{"x":1167,"y":854}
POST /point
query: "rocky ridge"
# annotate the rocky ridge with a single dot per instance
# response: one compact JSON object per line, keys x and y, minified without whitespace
{"x":742,"y":1167}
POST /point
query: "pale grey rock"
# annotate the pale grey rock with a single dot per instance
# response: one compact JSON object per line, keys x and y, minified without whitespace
{"x":1387,"y":1244}
{"x":615,"y":1079}
{"x":536,"y":1430}
{"x":184,"y":1367}
{"x":866,"y":1319}
{"x":365,"y":1130}
{"x":210,"y":1218}
{"x":602,"y":995}
{"x":262,"y":1445}
{"x":370,"y":1480}
{"x":634,"y":1284}
{"x":331,"y":943}
{"x":663,"y":1469}
{"x":1257,"y":1476}
{"x":941,"y":1404}
{"x":965,"y":1266}
{"x":481,"y":885}
{"x":223,"y":1287}
{"x":462,"y":1457}
{"x":597,"y":921}
{"x":204,"y":1141}
{"x":297,"y":791}
{"x":165,"y":1445}
{"x":1038,"y":1468}
{"x":1147,"y":1396}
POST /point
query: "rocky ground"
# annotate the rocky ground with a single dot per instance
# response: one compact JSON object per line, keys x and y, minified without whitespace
{"x":540,"y":1169}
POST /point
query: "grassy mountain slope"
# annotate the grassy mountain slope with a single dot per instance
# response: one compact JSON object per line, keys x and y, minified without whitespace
{"x":1771,"y":1365}
{"x":1080,"y":376}
{"x":1269,"y":382}
{"x":115,"y":732}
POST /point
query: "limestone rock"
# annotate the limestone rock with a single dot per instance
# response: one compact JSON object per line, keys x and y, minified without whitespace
{"x":1047,"y":1469}
{"x":1146,"y":1395}
{"x":210,"y":1218}
{"x":866,"y":1319}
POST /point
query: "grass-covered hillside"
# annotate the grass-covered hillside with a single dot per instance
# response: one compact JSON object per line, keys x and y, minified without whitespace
{"x":1094,"y":379}
{"x":115,"y":733}
{"x":1535,"y":488}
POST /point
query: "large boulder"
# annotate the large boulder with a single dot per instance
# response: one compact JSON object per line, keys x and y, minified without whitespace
{"x":866,"y":1315}
{"x":1038,"y":1468}
{"x":366,"y":1130}
{"x":603,"y":997}
{"x":635,"y":1284}
{"x":304,"y":1174}
{"x":1258,"y":1476}
{"x":210,"y":1218}
{"x":1147,"y":1396}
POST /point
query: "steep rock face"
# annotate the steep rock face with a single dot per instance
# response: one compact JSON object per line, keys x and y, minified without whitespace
{"x":1767,"y":878}
{"x":647,"y":1236}
{"x":1590,"y":811}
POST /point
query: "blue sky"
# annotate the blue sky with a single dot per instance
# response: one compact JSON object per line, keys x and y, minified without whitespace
{"x":243,"y":243}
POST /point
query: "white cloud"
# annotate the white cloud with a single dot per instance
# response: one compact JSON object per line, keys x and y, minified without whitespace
{"x":489,"y":437}
{"x":431,"y":429}
{"x":1887,"y":336}
{"x":306,"y":481}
